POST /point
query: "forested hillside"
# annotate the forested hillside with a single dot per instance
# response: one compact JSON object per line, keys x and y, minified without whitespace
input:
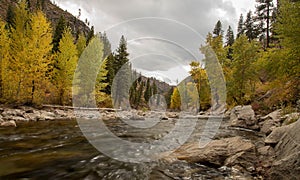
{"x":261,"y":63}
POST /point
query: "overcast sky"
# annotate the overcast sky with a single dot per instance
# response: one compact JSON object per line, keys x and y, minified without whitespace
{"x":163,"y":35}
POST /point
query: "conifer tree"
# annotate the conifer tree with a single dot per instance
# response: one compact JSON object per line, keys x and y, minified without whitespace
{"x":81,"y":44}
{"x":241,"y":28}
{"x":229,"y":37}
{"x":264,"y":11}
{"x":249,"y":27}
{"x":218,"y":29}
{"x":59,"y":30}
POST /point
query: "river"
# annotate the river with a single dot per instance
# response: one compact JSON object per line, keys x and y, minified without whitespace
{"x":58,"y":150}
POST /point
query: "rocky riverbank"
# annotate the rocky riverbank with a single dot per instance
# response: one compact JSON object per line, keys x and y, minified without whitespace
{"x":274,"y":156}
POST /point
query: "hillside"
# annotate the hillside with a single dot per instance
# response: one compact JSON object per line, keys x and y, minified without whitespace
{"x":52,"y":11}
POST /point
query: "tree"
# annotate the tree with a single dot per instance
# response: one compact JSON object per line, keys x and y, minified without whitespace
{"x":200,"y":78}
{"x":4,"y":56}
{"x":147,"y":93}
{"x":122,"y":69}
{"x":66,"y":61}
{"x":175,"y":100}
{"x":29,"y":57}
{"x":264,"y":11}
{"x":249,"y":27}
{"x":10,"y":17}
{"x":242,"y":86}
{"x":240,"y":29}
{"x":218,"y":29}
{"x":229,"y":37}
{"x":90,"y":35}
{"x":59,"y":30}
{"x":81,"y":44}
{"x":90,"y":74}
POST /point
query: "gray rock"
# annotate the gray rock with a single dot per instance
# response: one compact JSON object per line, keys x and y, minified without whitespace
{"x":268,"y":126}
{"x":11,"y":123}
{"x":244,"y":117}
{"x":229,"y":152}
{"x":277,"y":134}
{"x":287,"y":162}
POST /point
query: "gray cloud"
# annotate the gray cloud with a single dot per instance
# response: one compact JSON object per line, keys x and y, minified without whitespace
{"x":170,"y":38}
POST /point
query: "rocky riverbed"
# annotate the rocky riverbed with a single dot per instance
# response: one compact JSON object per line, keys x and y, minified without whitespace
{"x":274,"y":154}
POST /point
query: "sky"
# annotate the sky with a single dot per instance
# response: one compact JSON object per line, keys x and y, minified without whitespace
{"x":163,"y":36}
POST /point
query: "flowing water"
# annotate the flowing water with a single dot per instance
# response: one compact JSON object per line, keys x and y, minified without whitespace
{"x":58,"y":150}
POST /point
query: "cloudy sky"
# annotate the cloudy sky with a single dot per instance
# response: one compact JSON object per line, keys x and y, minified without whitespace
{"x":163,"y":35}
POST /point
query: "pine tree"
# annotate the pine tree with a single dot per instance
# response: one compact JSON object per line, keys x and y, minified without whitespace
{"x":90,"y":35}
{"x":218,"y":29}
{"x":229,"y":37}
{"x":59,"y":30}
{"x":241,"y":28}
{"x":107,"y":45}
{"x":66,"y":62}
{"x":249,"y":27}
{"x":147,"y":93}
{"x":123,"y":71}
{"x":10,"y":17}
{"x":264,"y":11}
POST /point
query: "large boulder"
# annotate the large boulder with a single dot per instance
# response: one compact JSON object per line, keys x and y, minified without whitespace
{"x":229,"y":151}
{"x":243,"y":117}
{"x":287,"y":162}
{"x":277,"y":133}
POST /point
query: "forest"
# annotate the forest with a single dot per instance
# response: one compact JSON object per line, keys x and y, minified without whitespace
{"x":260,"y":63}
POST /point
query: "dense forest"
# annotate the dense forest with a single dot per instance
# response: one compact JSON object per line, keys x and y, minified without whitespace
{"x":260,"y":64}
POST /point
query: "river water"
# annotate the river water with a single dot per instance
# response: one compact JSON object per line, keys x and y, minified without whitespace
{"x":58,"y":150}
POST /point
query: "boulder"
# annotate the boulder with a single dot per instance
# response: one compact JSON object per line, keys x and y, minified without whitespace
{"x":277,"y":133}
{"x":287,"y":162}
{"x":290,"y":118}
{"x":268,"y":126}
{"x":11,"y":123}
{"x":243,"y":117}
{"x":228,"y":151}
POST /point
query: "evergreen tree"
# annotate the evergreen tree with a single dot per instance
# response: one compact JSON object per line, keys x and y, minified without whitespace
{"x":241,"y":28}
{"x":218,"y":29}
{"x":229,"y":37}
{"x":122,"y":67}
{"x":249,"y":27}
{"x":107,"y":45}
{"x":10,"y":17}
{"x":147,"y":93}
{"x":59,"y":30}
{"x":264,"y":11}
{"x":90,"y":35}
